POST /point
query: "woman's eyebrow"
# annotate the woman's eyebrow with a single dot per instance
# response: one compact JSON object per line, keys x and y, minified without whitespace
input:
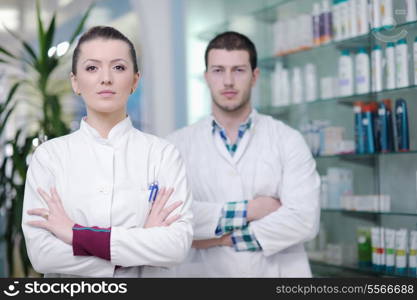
{"x":99,"y":61}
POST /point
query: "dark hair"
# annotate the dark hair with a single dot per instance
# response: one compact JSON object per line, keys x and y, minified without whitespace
{"x":231,"y":40}
{"x":106,"y":33}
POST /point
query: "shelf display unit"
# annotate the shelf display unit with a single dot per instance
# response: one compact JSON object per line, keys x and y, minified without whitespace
{"x":392,"y":175}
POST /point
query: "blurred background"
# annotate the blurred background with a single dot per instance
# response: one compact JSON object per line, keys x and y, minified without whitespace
{"x":343,"y":72}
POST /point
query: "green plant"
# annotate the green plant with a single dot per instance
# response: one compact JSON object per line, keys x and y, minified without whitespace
{"x":50,"y":124}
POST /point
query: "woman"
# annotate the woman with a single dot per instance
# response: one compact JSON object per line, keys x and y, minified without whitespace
{"x":92,"y":206}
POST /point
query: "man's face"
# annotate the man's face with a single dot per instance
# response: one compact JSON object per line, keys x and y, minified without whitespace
{"x":230,"y":78}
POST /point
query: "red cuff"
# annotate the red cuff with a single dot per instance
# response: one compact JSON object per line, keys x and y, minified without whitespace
{"x":91,"y":241}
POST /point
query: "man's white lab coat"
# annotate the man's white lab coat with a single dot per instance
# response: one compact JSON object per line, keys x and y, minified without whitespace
{"x":273,"y":160}
{"x":104,"y":183}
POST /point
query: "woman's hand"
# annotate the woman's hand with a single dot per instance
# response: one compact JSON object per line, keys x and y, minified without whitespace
{"x":56,"y":220}
{"x":158,"y":215}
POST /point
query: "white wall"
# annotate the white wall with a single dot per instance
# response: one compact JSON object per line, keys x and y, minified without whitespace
{"x":161,"y":49}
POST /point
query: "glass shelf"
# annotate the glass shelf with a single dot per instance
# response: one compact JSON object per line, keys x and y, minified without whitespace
{"x":346,"y":100}
{"x":361,"y":41}
{"x":356,"y":269}
{"x":335,"y":210}
{"x":363,"y":156}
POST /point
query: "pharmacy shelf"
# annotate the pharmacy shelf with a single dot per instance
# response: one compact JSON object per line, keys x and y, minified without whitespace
{"x":366,"y":41}
{"x":350,"y":100}
{"x":355,"y":269}
{"x":362,"y":41}
{"x":364,"y":159}
{"x":334,"y":210}
{"x":364,"y":156}
{"x":346,"y":100}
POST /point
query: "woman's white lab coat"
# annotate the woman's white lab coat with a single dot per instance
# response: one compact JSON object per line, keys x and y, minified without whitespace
{"x":104,"y":182}
{"x":272,"y":160}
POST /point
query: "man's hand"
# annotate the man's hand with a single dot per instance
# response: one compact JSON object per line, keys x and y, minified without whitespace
{"x":225,"y":240}
{"x":261,"y":206}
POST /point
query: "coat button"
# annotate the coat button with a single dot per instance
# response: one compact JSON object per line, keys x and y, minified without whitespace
{"x":104,"y":190}
{"x":233,"y":173}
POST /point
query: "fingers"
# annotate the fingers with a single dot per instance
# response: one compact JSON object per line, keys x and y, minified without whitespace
{"x":52,"y":199}
{"x":55,"y":195}
{"x":162,"y":198}
{"x":167,"y":210}
{"x":171,"y":220}
{"x":44,"y":196}
{"x":39,"y":224}
{"x":41,"y":212}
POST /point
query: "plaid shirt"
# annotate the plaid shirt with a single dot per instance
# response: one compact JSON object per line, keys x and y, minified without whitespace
{"x":233,"y":217}
{"x":222,"y":132}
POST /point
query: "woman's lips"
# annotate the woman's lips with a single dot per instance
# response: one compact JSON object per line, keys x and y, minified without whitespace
{"x":106,"y":93}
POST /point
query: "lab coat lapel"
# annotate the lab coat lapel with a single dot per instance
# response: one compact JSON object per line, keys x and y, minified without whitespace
{"x":247,"y":139}
{"x":243,"y":145}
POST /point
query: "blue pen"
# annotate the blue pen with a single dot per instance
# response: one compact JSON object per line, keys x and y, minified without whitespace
{"x":154,"y":191}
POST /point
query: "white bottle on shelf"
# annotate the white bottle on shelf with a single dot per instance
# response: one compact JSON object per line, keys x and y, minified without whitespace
{"x":326,"y":34}
{"x":336,"y":19}
{"x":362,"y":19}
{"x":401,"y":54}
{"x":310,"y":80}
{"x":376,"y":13}
{"x":297,"y":86}
{"x":411,"y":11}
{"x":344,"y":19}
{"x":275,"y":85}
{"x":386,"y":9}
{"x":285,"y":87}
{"x":363,"y":72}
{"x":345,"y":74}
{"x":353,"y":17}
{"x":390,"y":66}
{"x":308,"y":42}
{"x":377,"y":84}
{"x":316,"y":23}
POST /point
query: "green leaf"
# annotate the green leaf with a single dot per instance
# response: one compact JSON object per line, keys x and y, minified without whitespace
{"x":11,"y":93}
{"x":52,"y":63}
{"x":7,"y":115}
{"x":2,"y":61}
{"x":50,"y":34}
{"x":81,"y":24}
{"x":5,"y":52}
{"x":27,"y":47}
{"x":41,"y":37}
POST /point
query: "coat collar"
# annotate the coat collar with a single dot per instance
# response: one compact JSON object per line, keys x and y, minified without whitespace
{"x":253,"y":116}
{"x":115,"y":134}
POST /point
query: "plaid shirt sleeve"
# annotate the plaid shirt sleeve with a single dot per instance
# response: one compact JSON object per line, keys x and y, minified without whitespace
{"x":233,"y":217}
{"x":233,"y":220}
{"x":244,"y":240}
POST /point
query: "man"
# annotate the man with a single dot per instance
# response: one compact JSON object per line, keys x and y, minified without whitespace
{"x":253,"y":178}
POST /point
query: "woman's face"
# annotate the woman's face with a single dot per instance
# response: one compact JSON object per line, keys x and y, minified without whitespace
{"x":105,"y":75}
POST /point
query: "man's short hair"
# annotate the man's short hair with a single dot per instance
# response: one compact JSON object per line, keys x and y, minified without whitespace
{"x":231,"y":40}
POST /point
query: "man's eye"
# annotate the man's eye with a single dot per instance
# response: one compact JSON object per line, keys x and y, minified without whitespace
{"x":217,"y":70}
{"x":240,"y":70}
{"x":91,"y":68}
{"x":120,"y":68}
